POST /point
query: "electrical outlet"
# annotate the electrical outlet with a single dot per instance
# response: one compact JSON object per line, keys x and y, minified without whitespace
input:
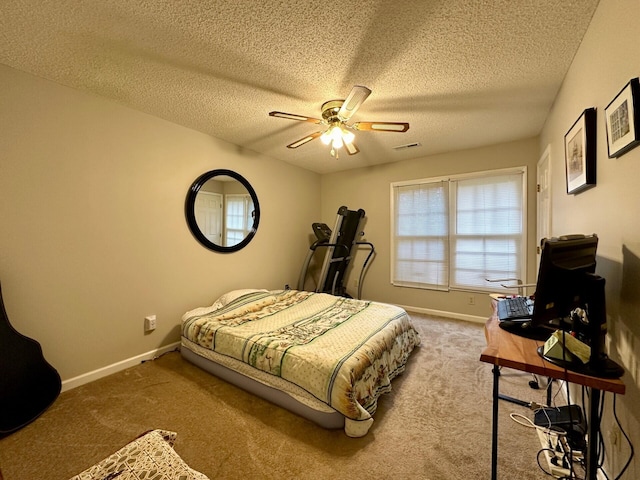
{"x":149,"y":323}
{"x":615,"y":437}
{"x":471,"y":300}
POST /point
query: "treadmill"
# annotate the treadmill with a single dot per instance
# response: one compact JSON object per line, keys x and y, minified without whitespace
{"x":339,"y":245}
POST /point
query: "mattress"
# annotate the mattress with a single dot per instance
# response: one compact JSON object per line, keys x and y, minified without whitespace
{"x":321,"y":350}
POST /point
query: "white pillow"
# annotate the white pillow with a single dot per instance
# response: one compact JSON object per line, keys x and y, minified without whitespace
{"x":220,"y":302}
{"x":233,"y":294}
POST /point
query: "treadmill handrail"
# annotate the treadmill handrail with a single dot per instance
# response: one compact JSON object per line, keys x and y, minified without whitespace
{"x":332,"y":245}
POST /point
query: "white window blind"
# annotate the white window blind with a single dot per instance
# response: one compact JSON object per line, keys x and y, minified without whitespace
{"x":456,"y":233}
{"x":487,"y":230}
{"x":421,"y":235}
{"x":238,"y":218}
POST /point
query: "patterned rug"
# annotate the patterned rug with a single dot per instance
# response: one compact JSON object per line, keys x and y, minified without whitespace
{"x":151,"y":456}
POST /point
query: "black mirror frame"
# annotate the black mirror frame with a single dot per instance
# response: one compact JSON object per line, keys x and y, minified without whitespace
{"x":190,"y":210}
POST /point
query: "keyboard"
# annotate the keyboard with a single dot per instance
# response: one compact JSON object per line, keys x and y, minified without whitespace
{"x":514,"y":308}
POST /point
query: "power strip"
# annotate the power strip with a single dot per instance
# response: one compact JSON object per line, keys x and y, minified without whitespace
{"x":557,"y":471}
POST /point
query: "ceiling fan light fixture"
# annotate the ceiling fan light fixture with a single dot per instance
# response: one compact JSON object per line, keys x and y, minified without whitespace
{"x":337,"y":137}
{"x":348,"y":136}
{"x":336,"y":133}
{"x":335,"y":114}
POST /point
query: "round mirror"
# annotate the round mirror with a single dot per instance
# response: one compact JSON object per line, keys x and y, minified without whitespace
{"x":222,"y":210}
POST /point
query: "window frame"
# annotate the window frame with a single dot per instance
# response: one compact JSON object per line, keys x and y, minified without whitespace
{"x":247,"y":207}
{"x":452,"y":213}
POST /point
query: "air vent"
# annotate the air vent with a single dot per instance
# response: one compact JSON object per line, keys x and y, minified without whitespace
{"x":408,"y":145}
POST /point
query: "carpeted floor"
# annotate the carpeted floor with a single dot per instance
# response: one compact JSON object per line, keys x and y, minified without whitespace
{"x":435,"y":424}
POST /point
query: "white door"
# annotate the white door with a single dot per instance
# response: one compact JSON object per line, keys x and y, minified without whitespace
{"x":208,"y":211}
{"x":543,"y":229}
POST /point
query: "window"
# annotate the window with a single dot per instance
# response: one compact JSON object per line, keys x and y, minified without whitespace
{"x":454,"y":233}
{"x":238,"y":216}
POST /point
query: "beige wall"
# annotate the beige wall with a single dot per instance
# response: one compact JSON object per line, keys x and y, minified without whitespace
{"x":608,"y":58}
{"x":93,"y":234}
{"x":369,"y":189}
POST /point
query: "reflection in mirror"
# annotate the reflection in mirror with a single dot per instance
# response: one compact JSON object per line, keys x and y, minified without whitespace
{"x":222,"y":210}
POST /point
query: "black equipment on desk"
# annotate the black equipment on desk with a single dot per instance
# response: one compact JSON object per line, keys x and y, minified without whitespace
{"x":515,"y":308}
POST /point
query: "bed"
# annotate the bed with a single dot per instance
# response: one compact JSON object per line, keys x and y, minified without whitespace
{"x":323,"y":357}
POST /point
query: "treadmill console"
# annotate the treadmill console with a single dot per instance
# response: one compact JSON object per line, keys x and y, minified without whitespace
{"x":322,"y":231}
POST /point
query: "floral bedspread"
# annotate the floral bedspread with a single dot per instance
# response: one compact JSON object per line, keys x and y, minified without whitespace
{"x":345,"y":352}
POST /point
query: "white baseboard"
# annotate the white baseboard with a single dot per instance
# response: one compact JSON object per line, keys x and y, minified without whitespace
{"x":446,"y":314}
{"x":130,"y":362}
{"x":116,"y":367}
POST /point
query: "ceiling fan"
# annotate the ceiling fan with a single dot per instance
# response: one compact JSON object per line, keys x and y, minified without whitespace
{"x":335,"y":114}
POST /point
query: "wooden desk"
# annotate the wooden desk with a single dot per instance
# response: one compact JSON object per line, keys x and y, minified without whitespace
{"x":505,"y":349}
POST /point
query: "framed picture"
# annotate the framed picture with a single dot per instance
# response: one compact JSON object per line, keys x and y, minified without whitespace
{"x":623,"y":124}
{"x":580,"y":152}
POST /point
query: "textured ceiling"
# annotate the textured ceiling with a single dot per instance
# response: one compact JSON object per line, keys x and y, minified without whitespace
{"x":463,"y":73}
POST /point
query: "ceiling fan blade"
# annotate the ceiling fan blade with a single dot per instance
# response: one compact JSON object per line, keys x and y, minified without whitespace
{"x":382,"y":126}
{"x":351,"y":148}
{"x":353,"y":101}
{"x":304,"y":140}
{"x":293,"y":116}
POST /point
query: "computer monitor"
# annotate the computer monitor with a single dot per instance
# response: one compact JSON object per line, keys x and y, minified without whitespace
{"x":570,"y":297}
{"x":566,"y":263}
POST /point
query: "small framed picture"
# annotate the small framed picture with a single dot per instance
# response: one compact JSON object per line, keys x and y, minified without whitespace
{"x":580,"y":153}
{"x":623,"y":124}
